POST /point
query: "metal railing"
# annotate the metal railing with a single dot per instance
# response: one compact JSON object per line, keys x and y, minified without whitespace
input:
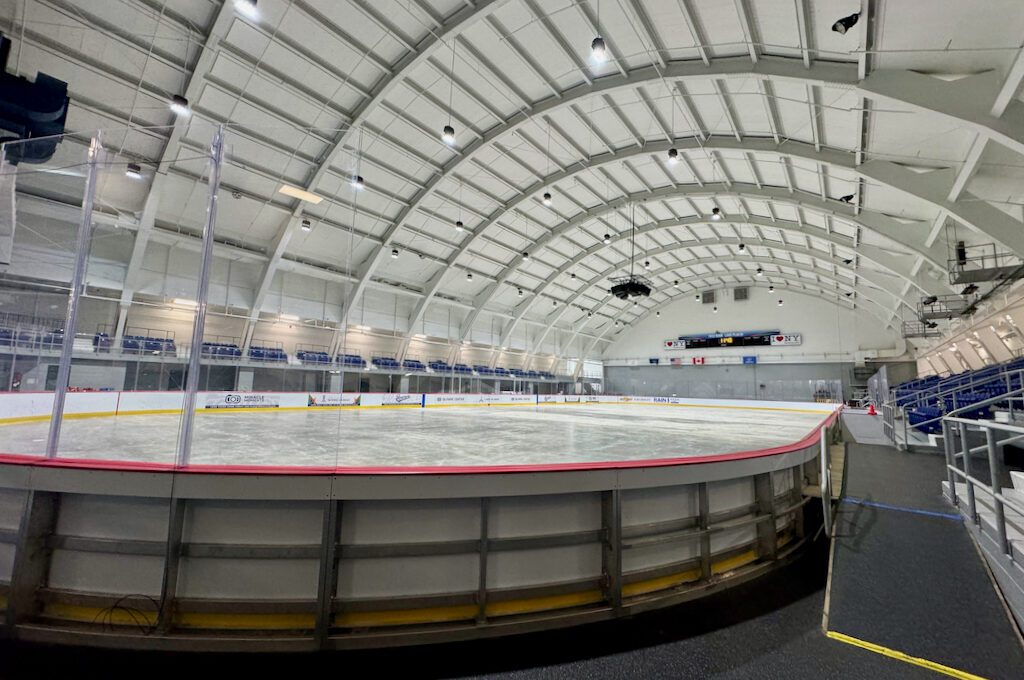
{"x":1003,"y":378}
{"x":959,"y":467}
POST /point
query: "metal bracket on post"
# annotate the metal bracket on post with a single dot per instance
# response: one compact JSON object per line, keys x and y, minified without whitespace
{"x":192,"y":382}
{"x":31,"y":556}
{"x":172,"y":563}
{"x":481,"y":596}
{"x":611,"y":553}
{"x":327,"y":583}
{"x":703,"y":522}
{"x":74,"y":295}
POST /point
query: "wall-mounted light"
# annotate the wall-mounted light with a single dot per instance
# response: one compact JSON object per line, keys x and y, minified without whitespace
{"x":306,"y":225}
{"x":598,"y":50}
{"x":133,"y":171}
{"x":179,"y":106}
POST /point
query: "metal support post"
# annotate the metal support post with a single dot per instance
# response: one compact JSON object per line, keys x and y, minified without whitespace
{"x":703,"y":522}
{"x":611,"y":553}
{"x":95,"y":156}
{"x":481,"y":595}
{"x":972,"y":509}
{"x":767,"y":538}
{"x":172,"y":563}
{"x":995,"y":468}
{"x":31,"y":556}
{"x":947,"y":441}
{"x":327,"y":582}
{"x":826,"y":491}
{"x":192,"y":382}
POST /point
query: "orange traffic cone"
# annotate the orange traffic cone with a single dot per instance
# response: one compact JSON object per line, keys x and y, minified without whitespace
{"x":871,"y":410}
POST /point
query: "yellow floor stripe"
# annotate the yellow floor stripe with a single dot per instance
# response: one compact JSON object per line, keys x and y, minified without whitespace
{"x":900,"y":656}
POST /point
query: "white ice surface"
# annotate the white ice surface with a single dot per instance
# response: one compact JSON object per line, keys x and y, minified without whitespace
{"x":518,"y":435}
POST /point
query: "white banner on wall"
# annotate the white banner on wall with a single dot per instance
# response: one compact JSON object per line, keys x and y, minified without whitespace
{"x":402,"y":399}
{"x":242,"y":400}
{"x":674,"y":344}
{"x":786,"y":339}
{"x":333,"y":399}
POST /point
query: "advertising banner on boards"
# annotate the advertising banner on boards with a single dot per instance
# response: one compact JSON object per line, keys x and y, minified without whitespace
{"x":242,"y":400}
{"x":332,"y":399}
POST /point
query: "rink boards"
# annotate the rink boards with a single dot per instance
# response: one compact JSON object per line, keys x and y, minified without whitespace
{"x":236,"y":559}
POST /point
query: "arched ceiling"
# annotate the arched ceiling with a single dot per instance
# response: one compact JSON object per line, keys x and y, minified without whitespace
{"x":775,"y":117}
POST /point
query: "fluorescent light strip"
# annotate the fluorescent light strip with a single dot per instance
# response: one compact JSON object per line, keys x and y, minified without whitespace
{"x":295,"y":192}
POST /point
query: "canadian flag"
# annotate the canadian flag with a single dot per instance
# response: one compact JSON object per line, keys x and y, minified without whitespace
{"x":698,"y":360}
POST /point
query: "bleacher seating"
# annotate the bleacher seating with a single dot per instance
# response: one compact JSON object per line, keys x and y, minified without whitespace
{"x":102,"y":342}
{"x":351,"y":361}
{"x":267,"y":354}
{"x":312,"y":357}
{"x":927,"y":399}
{"x":462,"y":369}
{"x":483,"y":370}
{"x":501,"y":371}
{"x":386,"y":363}
{"x":439,"y":366}
{"x":546,"y":375}
{"x":518,"y":373}
{"x":220,"y":350}
{"x":413,"y":365}
{"x":140,"y":344}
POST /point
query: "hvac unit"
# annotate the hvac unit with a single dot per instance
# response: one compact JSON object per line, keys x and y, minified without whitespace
{"x":739,"y":294}
{"x":707,"y":297}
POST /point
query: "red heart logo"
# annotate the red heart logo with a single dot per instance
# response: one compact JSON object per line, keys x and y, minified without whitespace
{"x":780,"y":338}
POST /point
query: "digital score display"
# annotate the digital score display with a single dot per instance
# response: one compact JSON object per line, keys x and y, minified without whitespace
{"x":731,"y":339}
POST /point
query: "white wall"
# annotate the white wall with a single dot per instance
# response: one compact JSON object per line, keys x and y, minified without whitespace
{"x":829,"y":333}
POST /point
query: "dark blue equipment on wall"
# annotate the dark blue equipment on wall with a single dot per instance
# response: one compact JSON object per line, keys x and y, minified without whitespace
{"x":30,"y":110}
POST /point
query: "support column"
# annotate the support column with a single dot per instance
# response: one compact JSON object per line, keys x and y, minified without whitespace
{"x":611,"y":553}
{"x":31,"y":556}
{"x":172,"y":562}
{"x":327,"y":583}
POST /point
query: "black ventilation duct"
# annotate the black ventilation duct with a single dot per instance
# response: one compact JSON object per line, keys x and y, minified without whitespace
{"x":30,"y":110}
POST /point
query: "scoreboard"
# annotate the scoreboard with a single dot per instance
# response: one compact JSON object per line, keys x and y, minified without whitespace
{"x":731,"y":339}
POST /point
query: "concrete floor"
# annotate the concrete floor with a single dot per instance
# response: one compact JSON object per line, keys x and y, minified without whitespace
{"x":518,"y":435}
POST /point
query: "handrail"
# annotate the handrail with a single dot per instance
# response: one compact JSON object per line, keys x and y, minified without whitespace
{"x":955,"y":460}
{"x":1001,"y":375}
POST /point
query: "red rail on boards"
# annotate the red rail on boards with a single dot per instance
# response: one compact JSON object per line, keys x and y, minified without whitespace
{"x":812,"y":438}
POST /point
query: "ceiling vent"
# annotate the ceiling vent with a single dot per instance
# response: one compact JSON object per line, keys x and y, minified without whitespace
{"x":740,"y":293}
{"x":707,"y":297}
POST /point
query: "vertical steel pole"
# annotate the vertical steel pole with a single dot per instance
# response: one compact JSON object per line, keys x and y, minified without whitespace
{"x":192,"y":383}
{"x":972,"y":508}
{"x":995,"y":471}
{"x":74,"y":294}
{"x":826,"y":491}
{"x":947,"y":442}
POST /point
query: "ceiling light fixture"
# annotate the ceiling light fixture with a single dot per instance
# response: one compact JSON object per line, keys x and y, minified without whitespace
{"x":780,"y":302}
{"x":526,"y":255}
{"x":554,"y":303}
{"x":301,"y":194}
{"x":357,"y":182}
{"x":394,"y":253}
{"x":133,"y":171}
{"x":469,"y":276}
{"x":658,"y":313}
{"x":673,"y":156}
{"x":675,"y":284}
{"x":714,"y":309}
{"x":306,"y":225}
{"x":590,"y":314}
{"x":547,"y":199}
{"x":247,"y":8}
{"x":607,"y":239}
{"x":179,"y":106}
{"x":448,"y":135}
{"x":846,"y":23}
{"x":647,"y":264}
{"x":573,"y":276}
{"x":459,"y":226}
{"x":846,"y":199}
{"x":697,"y":297}
{"x":519,"y":292}
{"x":598,"y":50}
{"x":760,"y":272}
{"x":716,"y":214}
{"x":771,"y":289}
{"x":743,"y":247}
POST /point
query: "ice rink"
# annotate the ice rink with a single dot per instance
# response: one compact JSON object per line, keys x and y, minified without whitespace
{"x":495,"y":435}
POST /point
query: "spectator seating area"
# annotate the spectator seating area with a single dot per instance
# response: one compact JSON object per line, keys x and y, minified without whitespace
{"x":926,"y":400}
{"x":273,"y":354}
{"x":386,"y":363}
{"x":140,"y":344}
{"x":413,"y":365}
{"x":307,"y":356}
{"x":220,"y":350}
{"x":351,"y":361}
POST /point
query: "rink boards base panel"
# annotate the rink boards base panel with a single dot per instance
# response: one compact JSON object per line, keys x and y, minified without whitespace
{"x":123,"y":556}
